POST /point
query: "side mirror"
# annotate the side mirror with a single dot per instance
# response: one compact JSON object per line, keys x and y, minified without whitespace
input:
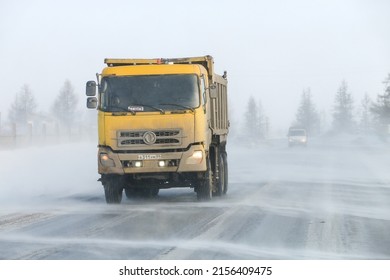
{"x":213,"y":91}
{"x":91,"y":102}
{"x":91,"y":88}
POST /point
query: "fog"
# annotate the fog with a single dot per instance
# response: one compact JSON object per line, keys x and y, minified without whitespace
{"x":271,"y":49}
{"x":32,"y":174}
{"x":329,"y":200}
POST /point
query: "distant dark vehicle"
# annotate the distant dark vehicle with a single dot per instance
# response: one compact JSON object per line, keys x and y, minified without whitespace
{"x":297,"y":137}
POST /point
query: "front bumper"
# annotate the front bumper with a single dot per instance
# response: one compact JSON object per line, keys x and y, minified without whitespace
{"x":191,"y":160}
{"x":297,"y":141}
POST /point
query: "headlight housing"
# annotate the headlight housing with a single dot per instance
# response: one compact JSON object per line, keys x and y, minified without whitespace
{"x":195,"y":158}
{"x":106,"y":161}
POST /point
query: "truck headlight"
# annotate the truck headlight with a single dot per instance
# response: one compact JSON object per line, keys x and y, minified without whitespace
{"x":106,"y":161}
{"x":195,"y":158}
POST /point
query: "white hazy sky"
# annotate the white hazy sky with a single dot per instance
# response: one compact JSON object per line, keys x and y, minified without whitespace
{"x":271,"y":49}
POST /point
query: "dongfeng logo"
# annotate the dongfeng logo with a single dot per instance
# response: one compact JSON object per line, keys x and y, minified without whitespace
{"x":149,"y":138}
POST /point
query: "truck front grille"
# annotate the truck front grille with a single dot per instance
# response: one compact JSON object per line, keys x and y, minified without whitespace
{"x":156,"y":138}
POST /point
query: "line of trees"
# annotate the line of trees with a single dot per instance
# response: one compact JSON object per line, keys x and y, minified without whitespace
{"x":64,"y":106}
{"x":24,"y":109}
{"x":256,"y":122}
{"x":370,"y":116}
{"x":24,"y":105}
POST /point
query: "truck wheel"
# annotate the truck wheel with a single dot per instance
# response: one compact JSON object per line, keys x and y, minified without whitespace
{"x":226,"y":173}
{"x":221,"y":181}
{"x":113,"y":191}
{"x":204,"y":191}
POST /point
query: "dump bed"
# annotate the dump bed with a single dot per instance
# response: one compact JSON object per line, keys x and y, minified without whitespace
{"x":219,"y":107}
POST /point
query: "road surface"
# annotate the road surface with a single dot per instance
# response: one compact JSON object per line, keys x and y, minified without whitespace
{"x":330,"y":200}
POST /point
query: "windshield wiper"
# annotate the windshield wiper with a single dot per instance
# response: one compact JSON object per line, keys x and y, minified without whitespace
{"x":149,"y":106}
{"x":179,"y":105}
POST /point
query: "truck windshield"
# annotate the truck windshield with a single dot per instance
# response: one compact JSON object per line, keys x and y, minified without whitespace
{"x":149,"y":93}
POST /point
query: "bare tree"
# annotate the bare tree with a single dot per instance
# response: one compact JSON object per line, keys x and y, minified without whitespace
{"x":256,"y":123}
{"x":262,"y":121}
{"x":365,"y":114}
{"x":250,"y":117}
{"x":343,"y":110}
{"x":23,"y":106}
{"x":64,"y":106}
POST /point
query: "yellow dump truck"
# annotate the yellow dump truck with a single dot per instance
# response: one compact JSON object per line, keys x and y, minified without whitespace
{"x":162,"y":123}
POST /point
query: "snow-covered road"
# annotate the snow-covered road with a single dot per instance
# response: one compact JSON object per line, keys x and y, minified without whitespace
{"x":330,"y":200}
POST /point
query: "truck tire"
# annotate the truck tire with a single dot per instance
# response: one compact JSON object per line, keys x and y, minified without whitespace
{"x":226,"y":173}
{"x":204,"y":190}
{"x":113,"y":191}
{"x":221,"y":181}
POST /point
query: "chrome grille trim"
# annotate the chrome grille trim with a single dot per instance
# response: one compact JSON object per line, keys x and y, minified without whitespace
{"x":164,"y":137}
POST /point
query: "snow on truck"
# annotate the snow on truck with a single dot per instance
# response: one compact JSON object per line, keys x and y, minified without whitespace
{"x":162,"y":123}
